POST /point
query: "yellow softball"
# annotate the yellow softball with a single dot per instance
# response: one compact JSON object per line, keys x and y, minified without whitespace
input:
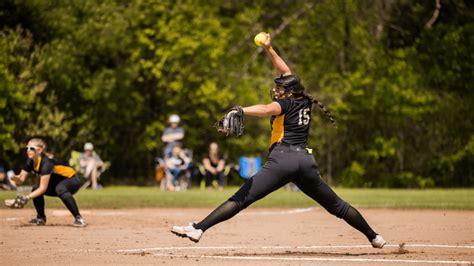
{"x":260,"y":38}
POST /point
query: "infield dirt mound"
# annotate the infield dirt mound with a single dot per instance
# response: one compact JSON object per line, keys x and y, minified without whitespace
{"x":255,"y":236}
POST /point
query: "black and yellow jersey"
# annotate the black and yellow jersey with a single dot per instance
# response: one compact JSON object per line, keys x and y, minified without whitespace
{"x":292,"y":125}
{"x":47,"y":166}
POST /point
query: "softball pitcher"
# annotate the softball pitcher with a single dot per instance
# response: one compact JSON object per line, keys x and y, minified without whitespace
{"x":54,"y":179}
{"x":289,"y":159}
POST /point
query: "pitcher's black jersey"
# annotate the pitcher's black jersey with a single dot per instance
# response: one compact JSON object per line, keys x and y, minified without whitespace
{"x":292,"y":125}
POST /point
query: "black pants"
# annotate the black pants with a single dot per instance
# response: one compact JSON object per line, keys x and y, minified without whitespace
{"x":290,"y":164}
{"x":62,"y":188}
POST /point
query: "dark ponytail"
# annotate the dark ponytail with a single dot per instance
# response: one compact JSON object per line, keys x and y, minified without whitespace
{"x":321,"y":105}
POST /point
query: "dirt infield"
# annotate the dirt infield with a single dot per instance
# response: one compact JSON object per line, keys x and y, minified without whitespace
{"x":255,"y":236}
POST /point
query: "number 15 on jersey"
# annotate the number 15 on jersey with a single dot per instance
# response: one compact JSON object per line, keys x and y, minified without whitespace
{"x":304,"y":117}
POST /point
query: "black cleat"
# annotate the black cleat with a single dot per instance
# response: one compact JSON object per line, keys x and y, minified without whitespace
{"x":79,"y":222}
{"x":38,"y":220}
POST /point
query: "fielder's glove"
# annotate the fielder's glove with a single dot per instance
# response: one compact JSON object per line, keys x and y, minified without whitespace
{"x":17,"y":203}
{"x":232,"y":122}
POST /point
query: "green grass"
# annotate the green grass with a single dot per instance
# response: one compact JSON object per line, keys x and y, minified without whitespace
{"x":150,"y":197}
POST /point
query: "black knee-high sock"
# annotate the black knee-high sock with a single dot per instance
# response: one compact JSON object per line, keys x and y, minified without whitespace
{"x":39,"y":206}
{"x":70,"y":203}
{"x":224,"y":212}
{"x":355,"y":219}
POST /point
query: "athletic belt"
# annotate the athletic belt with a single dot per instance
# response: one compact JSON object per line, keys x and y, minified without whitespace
{"x":298,"y":148}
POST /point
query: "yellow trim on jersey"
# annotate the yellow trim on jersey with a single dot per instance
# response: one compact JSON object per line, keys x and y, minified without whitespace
{"x":278,"y":129}
{"x":37,"y":166}
{"x":64,"y":170}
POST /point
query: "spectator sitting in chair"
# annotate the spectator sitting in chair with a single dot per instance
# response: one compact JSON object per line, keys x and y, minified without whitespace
{"x":177,"y":164}
{"x":5,"y":182}
{"x":214,"y":164}
{"x":91,"y":164}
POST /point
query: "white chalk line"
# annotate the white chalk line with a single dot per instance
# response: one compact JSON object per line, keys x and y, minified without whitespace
{"x":60,"y":213}
{"x":286,"y":247}
{"x":13,"y":218}
{"x":317,"y":259}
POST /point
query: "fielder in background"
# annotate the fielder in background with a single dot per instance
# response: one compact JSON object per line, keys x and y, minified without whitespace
{"x":289,"y":160}
{"x":54,"y":179}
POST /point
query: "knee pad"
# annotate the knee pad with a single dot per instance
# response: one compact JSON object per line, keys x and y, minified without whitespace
{"x":243,"y":197}
{"x":242,"y":203}
{"x":248,"y":200}
{"x":341,"y":209}
{"x":66,"y":195}
{"x":236,"y":206}
{"x":61,"y":190}
{"x":236,"y":200}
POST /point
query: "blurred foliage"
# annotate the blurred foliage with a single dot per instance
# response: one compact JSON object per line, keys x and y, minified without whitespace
{"x":112,"y":71}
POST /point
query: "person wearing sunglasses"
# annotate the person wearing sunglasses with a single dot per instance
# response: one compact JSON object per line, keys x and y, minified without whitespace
{"x":55,"y":179}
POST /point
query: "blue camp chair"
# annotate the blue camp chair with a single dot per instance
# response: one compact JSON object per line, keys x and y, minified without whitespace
{"x":249,"y":166}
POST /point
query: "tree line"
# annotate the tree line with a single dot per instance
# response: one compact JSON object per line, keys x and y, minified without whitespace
{"x":396,"y":74}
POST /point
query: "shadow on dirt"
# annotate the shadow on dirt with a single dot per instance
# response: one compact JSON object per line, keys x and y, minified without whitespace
{"x":320,"y":253}
{"x":46,"y":225}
